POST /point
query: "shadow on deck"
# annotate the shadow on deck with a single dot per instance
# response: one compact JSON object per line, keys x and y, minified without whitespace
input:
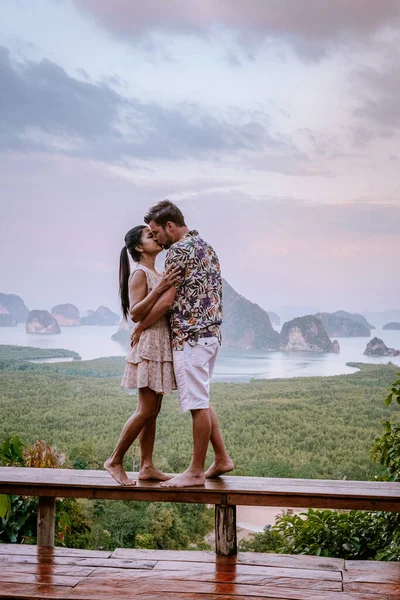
{"x":47,"y":572}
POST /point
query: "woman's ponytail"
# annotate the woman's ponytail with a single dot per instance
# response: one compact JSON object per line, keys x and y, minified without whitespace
{"x":132,"y":241}
{"x":124,"y":272}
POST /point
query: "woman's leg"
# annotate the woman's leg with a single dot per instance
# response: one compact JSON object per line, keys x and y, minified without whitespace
{"x":147,"y":410}
{"x":146,"y":439}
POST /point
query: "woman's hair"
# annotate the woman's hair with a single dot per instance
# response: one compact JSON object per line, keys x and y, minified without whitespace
{"x":132,"y":240}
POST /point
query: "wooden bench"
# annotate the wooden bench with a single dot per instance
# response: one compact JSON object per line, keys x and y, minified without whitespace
{"x":225,"y":493}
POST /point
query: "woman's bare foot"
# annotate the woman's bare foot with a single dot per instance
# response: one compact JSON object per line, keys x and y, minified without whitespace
{"x":186,"y":479}
{"x":152,"y":474}
{"x":219,"y":468}
{"x":117,"y":471}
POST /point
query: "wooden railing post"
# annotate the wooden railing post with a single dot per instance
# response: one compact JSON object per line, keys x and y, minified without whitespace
{"x":46,"y":521}
{"x":225,"y":530}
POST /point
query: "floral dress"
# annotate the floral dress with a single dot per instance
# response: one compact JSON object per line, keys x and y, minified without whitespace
{"x":149,"y":363}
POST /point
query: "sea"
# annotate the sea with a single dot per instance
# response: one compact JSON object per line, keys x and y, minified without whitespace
{"x":233,"y":364}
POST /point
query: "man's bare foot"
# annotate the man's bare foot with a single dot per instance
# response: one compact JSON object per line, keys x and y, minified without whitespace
{"x":153,"y":474}
{"x":117,"y":471}
{"x":219,"y":468}
{"x":186,"y":479}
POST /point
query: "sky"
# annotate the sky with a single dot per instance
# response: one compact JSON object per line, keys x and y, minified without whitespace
{"x":274,"y":125}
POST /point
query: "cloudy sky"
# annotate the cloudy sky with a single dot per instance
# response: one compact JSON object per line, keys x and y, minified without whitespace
{"x":274,"y":124}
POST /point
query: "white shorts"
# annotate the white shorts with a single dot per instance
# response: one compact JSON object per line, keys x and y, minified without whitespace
{"x":193,"y":368}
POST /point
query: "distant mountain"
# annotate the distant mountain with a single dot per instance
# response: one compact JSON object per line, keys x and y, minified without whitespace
{"x":13,"y":305}
{"x":306,"y":334}
{"x":66,"y":315}
{"x":393,"y":326}
{"x":7,"y":320}
{"x":377,"y":347}
{"x":246,"y":325}
{"x":339,"y":326}
{"x":274,"y":318}
{"x":380,"y":318}
{"x":41,"y":321}
{"x":102,"y":316}
{"x":354,"y":317}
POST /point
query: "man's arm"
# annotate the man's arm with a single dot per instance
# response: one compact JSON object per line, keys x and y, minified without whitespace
{"x":159,"y":309}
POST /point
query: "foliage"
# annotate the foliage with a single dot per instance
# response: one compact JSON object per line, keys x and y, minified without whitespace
{"x":150,"y":525}
{"x":29,"y":353}
{"x":18,"y":514}
{"x":394,"y":394}
{"x":386,"y":451}
{"x":350,"y":535}
{"x":267,"y":541}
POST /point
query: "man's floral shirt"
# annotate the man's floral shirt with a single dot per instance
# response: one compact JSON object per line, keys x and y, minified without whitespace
{"x":197,"y":309}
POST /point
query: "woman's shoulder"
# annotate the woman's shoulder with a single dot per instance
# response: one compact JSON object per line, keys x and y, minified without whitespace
{"x":139,"y":272}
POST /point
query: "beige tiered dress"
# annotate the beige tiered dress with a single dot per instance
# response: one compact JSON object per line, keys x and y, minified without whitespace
{"x":149,"y":363}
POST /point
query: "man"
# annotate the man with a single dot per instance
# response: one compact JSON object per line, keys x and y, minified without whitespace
{"x":195,"y":305}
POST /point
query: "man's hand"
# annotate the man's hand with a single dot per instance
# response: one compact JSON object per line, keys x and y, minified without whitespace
{"x":135,"y":335}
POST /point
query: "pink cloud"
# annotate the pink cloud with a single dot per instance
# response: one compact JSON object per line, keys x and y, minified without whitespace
{"x":307,"y":20}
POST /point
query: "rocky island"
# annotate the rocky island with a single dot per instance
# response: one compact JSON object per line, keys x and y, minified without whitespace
{"x":306,"y":334}
{"x":41,"y":321}
{"x":66,"y":315}
{"x":7,"y":320}
{"x":392,"y":326}
{"x":340,"y":326}
{"x":101,"y":316}
{"x":246,"y":325}
{"x":12,"y":304}
{"x":377,"y":347}
{"x":274,"y":318}
{"x":354,"y":317}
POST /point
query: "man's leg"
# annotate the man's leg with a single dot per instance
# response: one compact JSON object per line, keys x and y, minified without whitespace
{"x":194,"y":474}
{"x":147,"y":410}
{"x":146,"y":440}
{"x":222,"y":462}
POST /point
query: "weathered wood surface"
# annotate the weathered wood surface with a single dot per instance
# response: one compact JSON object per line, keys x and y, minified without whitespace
{"x":257,"y":491}
{"x":46,"y":521}
{"x":225,"y":530}
{"x":28,"y":572}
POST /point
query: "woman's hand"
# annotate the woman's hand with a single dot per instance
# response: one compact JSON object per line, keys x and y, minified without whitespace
{"x":135,"y":335}
{"x":170,"y":277}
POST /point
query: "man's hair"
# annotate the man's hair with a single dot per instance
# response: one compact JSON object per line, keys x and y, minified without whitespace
{"x":163,"y":212}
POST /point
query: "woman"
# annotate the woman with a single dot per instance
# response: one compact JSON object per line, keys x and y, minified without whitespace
{"x":149,"y":366}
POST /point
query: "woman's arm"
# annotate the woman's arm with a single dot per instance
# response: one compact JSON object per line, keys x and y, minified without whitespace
{"x":140,"y":301}
{"x":160,"y":308}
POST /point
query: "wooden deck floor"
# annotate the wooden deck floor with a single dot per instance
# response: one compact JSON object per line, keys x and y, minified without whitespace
{"x":32,"y":572}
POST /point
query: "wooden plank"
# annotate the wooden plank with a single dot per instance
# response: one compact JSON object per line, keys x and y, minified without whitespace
{"x":250,"y":558}
{"x":311,"y":501}
{"x":373,"y":588}
{"x":225,"y":530}
{"x":59,"y":580}
{"x":372,"y":572}
{"x":253,"y":485}
{"x":33,"y":550}
{"x":221,"y":577}
{"x":240,"y":569}
{"x":45,"y":569}
{"x":46,"y":521}
{"x":33,"y":590}
{"x":130,"y":588}
{"x":71,"y":561}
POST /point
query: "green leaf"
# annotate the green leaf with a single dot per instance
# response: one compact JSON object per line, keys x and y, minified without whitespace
{"x":5,"y":506}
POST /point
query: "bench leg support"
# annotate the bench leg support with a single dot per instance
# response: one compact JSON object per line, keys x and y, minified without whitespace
{"x":46,"y":521}
{"x":225,"y":530}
